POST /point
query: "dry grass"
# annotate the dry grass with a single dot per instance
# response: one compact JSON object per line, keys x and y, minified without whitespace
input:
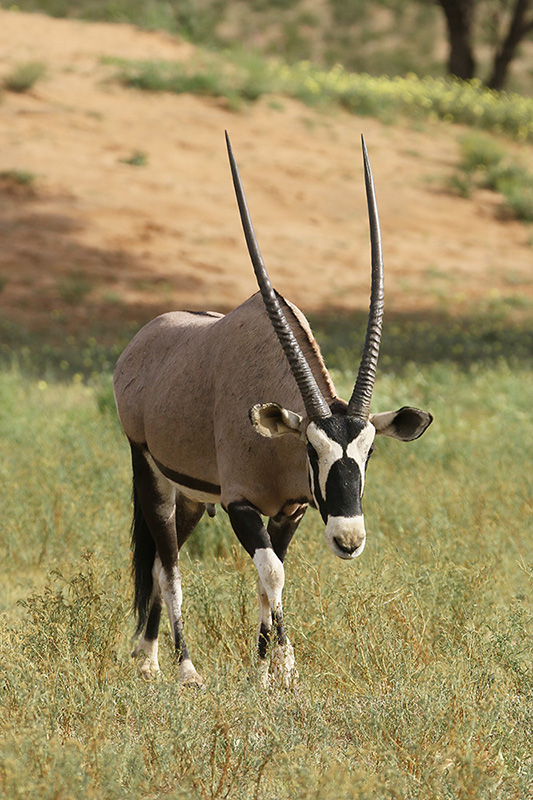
{"x":415,"y":665}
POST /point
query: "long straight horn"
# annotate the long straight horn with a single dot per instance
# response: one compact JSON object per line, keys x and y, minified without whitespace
{"x":359,"y":405}
{"x":315,"y":405}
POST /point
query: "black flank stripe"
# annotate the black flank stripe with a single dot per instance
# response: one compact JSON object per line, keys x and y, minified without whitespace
{"x":186,"y":480}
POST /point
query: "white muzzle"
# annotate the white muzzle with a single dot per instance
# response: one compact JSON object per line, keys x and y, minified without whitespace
{"x":346,"y":536}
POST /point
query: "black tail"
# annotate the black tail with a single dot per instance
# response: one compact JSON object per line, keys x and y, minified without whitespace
{"x":143,"y":550}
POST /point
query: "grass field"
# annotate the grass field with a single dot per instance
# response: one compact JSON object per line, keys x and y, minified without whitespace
{"x":415,"y":661}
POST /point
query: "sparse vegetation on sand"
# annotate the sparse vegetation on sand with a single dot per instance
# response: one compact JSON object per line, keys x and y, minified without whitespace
{"x":485,"y":163}
{"x":24,"y":76}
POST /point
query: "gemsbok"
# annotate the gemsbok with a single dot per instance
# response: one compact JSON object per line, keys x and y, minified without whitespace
{"x":239,"y":409}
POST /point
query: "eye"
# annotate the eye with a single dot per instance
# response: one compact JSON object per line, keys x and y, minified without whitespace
{"x":369,"y":453}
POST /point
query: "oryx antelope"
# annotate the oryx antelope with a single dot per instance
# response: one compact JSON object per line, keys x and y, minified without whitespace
{"x":240,"y":410}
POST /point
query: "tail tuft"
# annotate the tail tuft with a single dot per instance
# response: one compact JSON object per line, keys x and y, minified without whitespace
{"x":143,"y":551}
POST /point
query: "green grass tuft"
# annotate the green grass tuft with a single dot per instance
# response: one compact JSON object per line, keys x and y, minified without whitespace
{"x":137,"y":159}
{"x":21,"y":177}
{"x":73,"y":289}
{"x":486,"y":163}
{"x":24,"y":76}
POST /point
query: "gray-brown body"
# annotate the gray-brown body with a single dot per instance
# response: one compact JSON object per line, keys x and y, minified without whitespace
{"x":240,"y":409}
{"x":184,"y":388}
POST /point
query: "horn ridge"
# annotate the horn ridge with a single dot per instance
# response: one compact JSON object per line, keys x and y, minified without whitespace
{"x":359,"y":405}
{"x":315,"y":405}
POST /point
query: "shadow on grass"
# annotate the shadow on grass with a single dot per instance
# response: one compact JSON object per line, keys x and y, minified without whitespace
{"x":56,"y":286}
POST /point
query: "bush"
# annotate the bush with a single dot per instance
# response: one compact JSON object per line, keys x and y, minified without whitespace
{"x":486,"y":163}
{"x":24,"y":76}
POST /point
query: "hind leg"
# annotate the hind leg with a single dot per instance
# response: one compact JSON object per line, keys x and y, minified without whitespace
{"x":147,"y":647}
{"x":188,"y":514}
{"x":170,"y":518}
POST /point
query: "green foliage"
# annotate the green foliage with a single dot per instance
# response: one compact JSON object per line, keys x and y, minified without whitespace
{"x":69,"y":358}
{"x":241,"y":77}
{"x":73,"y":289}
{"x":24,"y":76}
{"x":137,"y":159}
{"x":351,"y":32}
{"x":238,"y":75}
{"x":194,"y":20}
{"x":415,"y":661}
{"x":480,"y":152}
{"x":485,"y":162}
{"x":463,"y":341}
{"x":519,"y":197}
{"x":21,"y":177}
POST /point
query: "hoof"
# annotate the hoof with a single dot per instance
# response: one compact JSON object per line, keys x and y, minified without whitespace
{"x":146,"y":655}
{"x":149,"y":670}
{"x":189,"y":676}
{"x":262,"y":677}
{"x":280,"y":672}
{"x":283,"y":669}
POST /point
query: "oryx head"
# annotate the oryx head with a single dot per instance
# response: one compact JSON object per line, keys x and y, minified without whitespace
{"x":339,"y":437}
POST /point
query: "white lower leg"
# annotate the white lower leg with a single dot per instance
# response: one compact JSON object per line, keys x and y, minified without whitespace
{"x":271,"y":575}
{"x":170,"y":583}
{"x":148,"y":648}
{"x":270,"y":588}
{"x":263,"y":633}
{"x":284,"y":673}
{"x":188,"y":673}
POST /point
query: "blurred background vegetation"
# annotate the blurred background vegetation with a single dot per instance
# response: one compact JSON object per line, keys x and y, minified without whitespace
{"x":468,"y":38}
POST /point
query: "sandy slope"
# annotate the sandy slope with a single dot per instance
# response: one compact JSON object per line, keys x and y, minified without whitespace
{"x":99,"y":239}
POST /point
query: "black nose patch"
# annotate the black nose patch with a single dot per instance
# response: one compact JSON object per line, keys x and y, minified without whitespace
{"x":343,"y":489}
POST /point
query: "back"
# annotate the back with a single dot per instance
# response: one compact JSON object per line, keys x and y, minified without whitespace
{"x":186,"y":382}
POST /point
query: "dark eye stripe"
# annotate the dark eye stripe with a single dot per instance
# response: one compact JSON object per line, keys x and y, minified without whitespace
{"x":315,"y":487}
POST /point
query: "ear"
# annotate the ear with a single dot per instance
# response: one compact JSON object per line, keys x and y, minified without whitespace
{"x":406,"y":424}
{"x":271,"y":420}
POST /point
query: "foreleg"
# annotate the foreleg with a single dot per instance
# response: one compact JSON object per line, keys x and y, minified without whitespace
{"x":281,"y":529}
{"x":256,"y":539}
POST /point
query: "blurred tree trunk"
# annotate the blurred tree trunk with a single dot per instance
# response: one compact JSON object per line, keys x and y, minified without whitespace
{"x":459,"y":20}
{"x":460,"y":23}
{"x":519,"y":26}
